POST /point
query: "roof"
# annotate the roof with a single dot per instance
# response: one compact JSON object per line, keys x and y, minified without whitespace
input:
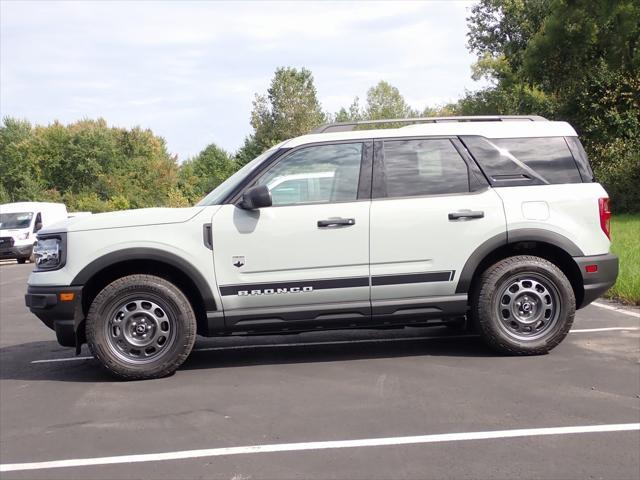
{"x":28,"y":206}
{"x":488,"y":129}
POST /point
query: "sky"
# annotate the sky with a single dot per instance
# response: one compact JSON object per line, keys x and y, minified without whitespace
{"x":189,"y":70}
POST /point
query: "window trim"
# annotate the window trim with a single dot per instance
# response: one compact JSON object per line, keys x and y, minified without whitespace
{"x":363,"y":191}
{"x":379,"y":188}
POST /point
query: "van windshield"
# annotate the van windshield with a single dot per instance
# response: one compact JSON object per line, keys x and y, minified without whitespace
{"x":15,"y":220}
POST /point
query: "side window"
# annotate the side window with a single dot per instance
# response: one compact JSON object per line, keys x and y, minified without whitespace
{"x":524,"y":161}
{"x":37,"y":225}
{"x":549,"y":157}
{"x":421,"y":167}
{"x":318,"y":174}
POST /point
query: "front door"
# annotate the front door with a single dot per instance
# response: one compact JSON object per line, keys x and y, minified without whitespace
{"x":303,"y":262}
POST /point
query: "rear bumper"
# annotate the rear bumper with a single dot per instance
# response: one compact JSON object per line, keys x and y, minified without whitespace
{"x":598,"y":282}
{"x":62,"y":316}
{"x":23,"y":251}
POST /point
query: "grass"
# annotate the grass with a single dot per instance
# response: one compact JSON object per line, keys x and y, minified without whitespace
{"x":625,"y":237}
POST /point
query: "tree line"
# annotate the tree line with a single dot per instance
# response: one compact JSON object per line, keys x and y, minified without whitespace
{"x":576,"y":61}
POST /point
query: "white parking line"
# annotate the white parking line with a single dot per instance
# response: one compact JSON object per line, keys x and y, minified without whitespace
{"x":616,"y":309}
{"x":294,"y":447}
{"x":337,"y":342}
{"x":604,"y":329}
{"x":70,"y":359}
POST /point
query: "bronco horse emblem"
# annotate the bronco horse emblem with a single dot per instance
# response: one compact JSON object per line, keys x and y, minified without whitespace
{"x":237,"y":260}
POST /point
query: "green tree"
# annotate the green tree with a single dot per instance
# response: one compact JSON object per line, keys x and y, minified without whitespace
{"x":385,"y":101}
{"x":87,"y":164}
{"x":20,"y":176}
{"x":250,"y":149}
{"x":289,"y":109}
{"x":574,"y":60}
{"x":352,"y":113}
{"x":201,"y":174}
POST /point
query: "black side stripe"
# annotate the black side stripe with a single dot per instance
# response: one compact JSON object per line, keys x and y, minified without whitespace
{"x":315,"y":284}
{"x":350,"y":282}
{"x":428,"y":277}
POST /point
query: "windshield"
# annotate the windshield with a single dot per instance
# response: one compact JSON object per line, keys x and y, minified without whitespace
{"x":219,"y":193}
{"x":15,"y":220}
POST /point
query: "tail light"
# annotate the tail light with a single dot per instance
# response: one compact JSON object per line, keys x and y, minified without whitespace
{"x":605,"y":216}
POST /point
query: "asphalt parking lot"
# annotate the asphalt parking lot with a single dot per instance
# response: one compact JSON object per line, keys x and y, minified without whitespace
{"x":393,"y":393}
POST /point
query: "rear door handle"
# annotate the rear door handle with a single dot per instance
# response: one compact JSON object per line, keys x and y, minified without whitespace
{"x":336,"y":222}
{"x":461,"y":214}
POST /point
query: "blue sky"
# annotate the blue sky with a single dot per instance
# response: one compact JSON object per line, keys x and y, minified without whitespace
{"x":189,"y":70}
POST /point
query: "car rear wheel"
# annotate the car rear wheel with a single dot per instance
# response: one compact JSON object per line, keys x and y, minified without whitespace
{"x":524,"y":305}
{"x":141,"y":327}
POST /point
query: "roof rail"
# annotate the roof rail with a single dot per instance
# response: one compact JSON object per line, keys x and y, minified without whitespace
{"x":348,"y":126}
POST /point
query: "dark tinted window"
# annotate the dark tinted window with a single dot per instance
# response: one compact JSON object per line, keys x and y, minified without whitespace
{"x":422,"y":167}
{"x":524,"y":161}
{"x":580,"y":156}
{"x":549,"y":157}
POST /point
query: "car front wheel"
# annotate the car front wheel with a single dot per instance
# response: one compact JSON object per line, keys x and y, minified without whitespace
{"x":524,"y":305}
{"x":140,"y":327}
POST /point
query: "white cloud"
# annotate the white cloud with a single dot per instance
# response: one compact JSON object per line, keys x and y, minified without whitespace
{"x":188,"y":70}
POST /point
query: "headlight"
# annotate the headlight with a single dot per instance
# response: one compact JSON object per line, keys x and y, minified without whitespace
{"x":23,"y":236}
{"x":48,"y":253}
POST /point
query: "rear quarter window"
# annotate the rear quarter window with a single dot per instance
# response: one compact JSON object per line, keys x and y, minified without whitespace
{"x":524,"y":161}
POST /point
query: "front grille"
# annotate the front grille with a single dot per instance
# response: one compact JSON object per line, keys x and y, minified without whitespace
{"x":6,"y":242}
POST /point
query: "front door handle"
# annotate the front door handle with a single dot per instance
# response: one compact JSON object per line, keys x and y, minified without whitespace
{"x":462,"y":214}
{"x":336,"y":222}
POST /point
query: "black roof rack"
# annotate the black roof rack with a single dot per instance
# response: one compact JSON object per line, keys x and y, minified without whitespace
{"x":348,"y":126}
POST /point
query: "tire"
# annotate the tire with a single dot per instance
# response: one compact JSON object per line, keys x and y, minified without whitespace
{"x":21,"y":260}
{"x":141,"y":327}
{"x":523,"y":305}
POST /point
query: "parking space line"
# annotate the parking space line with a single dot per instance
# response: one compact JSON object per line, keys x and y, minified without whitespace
{"x":616,"y":309}
{"x":68,"y":359}
{"x":294,"y":447}
{"x":337,"y":342}
{"x":603,"y":329}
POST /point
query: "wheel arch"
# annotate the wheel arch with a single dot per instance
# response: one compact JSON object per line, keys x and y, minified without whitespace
{"x":103,"y":270}
{"x":551,"y":246}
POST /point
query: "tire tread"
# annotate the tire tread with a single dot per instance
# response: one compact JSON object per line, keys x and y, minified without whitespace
{"x":482,"y":305}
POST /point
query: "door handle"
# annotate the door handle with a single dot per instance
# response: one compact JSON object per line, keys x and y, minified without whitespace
{"x":336,"y":222}
{"x":461,"y":214}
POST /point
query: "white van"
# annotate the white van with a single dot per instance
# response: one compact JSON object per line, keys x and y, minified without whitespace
{"x":19,"y":223}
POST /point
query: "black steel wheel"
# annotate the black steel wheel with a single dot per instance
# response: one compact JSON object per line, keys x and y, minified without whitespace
{"x":141,"y":326}
{"x":523,"y":305}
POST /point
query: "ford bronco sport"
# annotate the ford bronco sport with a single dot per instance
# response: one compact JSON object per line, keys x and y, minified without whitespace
{"x":498,"y":219}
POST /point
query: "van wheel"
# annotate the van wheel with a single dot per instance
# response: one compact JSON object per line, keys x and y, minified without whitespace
{"x":524,"y":305}
{"x":21,"y":260}
{"x":141,"y":327}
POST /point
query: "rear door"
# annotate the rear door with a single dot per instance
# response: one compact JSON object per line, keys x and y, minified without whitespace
{"x":305,"y":260}
{"x":431,"y":209}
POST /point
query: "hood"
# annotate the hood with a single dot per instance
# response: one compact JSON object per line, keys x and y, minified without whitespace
{"x":124,"y":218}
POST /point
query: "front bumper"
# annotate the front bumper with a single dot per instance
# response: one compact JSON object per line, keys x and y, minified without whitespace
{"x":597,"y":282}
{"x":62,"y":316}
{"x":17,"y":251}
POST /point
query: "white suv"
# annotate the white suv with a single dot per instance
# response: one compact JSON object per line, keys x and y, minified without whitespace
{"x":493,"y":218}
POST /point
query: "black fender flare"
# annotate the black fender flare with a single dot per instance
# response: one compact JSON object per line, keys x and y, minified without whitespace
{"x":507,"y":238}
{"x":142,"y":253}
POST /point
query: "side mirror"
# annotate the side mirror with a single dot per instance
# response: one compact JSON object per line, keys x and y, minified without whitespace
{"x":256,"y":197}
{"x":37,"y":227}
